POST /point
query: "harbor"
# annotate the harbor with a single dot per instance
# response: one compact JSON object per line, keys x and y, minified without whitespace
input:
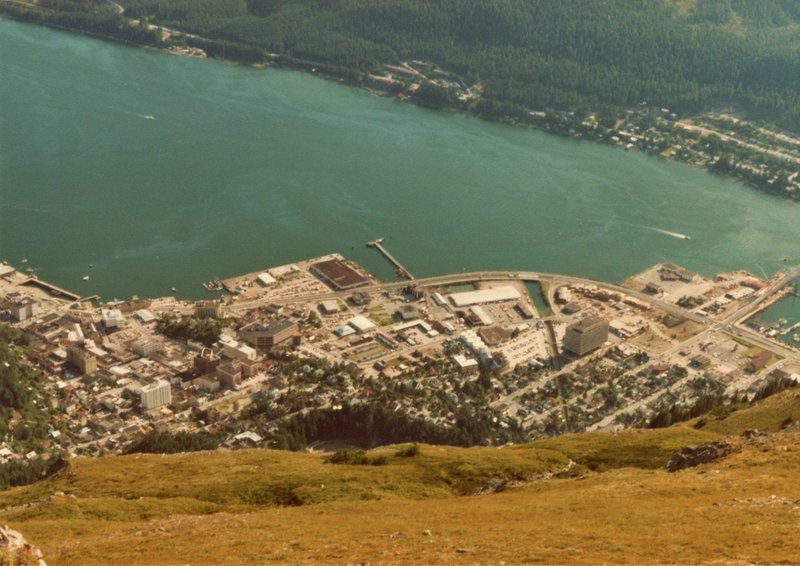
{"x":781,"y":320}
{"x":51,"y":289}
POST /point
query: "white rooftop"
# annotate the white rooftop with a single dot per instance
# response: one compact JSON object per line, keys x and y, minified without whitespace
{"x":266,"y":279}
{"x":361,"y":323}
{"x":506,"y":293}
{"x":145,"y":315}
{"x":465,"y":362}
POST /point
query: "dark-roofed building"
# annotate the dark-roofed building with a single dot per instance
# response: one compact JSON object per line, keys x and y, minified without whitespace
{"x":81,"y":360}
{"x":338,"y":275}
{"x":494,"y":335}
{"x":586,"y":335}
{"x":407,"y":312}
{"x":206,"y":362}
{"x":523,"y":311}
{"x":759,"y":361}
{"x":269,"y":335}
{"x":672,"y":272}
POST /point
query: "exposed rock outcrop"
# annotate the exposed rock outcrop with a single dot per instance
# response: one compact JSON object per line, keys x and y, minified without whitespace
{"x":691,"y":456}
{"x":14,"y":549}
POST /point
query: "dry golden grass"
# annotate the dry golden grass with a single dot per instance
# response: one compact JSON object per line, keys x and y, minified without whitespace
{"x":768,"y":415}
{"x":225,"y":507}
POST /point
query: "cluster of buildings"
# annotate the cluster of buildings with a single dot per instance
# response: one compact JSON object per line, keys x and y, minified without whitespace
{"x":321,"y":333}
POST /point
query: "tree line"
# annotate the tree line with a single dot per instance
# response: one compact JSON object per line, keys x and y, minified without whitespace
{"x":371,"y":425}
{"x":582,"y":55}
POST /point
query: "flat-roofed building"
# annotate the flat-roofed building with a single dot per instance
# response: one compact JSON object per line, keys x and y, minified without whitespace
{"x":146,"y":316}
{"x":361,"y":324}
{"x":586,"y":335}
{"x":230,"y":374}
{"x":82,"y":360}
{"x":112,"y":318}
{"x":266,"y":280}
{"x":208,"y":309}
{"x":338,"y":275}
{"x":146,"y":346}
{"x":407,"y":312}
{"x":6,"y":270}
{"x":206,"y":362}
{"x":497,"y":294}
{"x":23,"y":309}
{"x":236,"y":351}
{"x":156,"y":394}
{"x":329,"y":307}
{"x":269,"y":335}
{"x":494,"y":336}
{"x":477,"y":316}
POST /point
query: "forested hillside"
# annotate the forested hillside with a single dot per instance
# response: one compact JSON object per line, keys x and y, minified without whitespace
{"x":581,"y":54}
{"x":25,"y":415}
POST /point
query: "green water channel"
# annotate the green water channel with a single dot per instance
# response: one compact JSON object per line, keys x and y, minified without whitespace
{"x":242,"y":169}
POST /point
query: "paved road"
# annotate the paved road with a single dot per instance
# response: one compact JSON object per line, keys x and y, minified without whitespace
{"x":557,"y":279}
{"x":689,"y":126}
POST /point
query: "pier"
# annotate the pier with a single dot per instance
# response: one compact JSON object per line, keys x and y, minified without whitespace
{"x":399,"y":270}
{"x":57,"y":292}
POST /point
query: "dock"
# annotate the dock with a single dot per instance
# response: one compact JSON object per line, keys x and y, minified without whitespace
{"x":57,"y":292}
{"x":399,"y":270}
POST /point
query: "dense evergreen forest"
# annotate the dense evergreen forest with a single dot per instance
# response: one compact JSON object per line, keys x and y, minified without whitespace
{"x":155,"y":442}
{"x":598,"y":55}
{"x":373,"y":425}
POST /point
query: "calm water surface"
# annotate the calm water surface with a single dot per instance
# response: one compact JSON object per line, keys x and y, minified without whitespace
{"x":243,"y":169}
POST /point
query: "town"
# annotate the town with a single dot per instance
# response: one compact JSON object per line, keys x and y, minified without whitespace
{"x":537,"y":353}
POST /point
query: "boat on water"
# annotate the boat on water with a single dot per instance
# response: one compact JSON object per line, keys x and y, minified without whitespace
{"x":213,"y":286}
{"x":173,"y":289}
{"x":149,"y":117}
{"x":24,"y":260}
{"x":85,"y":277}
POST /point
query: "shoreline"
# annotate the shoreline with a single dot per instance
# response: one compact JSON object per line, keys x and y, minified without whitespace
{"x":560,"y":123}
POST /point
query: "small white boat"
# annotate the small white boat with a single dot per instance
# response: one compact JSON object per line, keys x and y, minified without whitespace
{"x":24,"y":260}
{"x":149,"y":117}
{"x":173,"y":289}
{"x":85,"y":278}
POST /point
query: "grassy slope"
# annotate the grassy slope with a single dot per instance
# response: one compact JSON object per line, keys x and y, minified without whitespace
{"x":242,"y":507}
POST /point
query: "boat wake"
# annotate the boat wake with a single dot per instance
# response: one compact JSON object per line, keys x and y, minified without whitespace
{"x":669,"y":233}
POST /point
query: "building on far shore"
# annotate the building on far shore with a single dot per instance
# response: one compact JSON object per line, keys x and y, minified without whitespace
{"x":586,"y":335}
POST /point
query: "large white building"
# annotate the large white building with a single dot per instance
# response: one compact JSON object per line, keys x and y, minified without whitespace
{"x":235,"y":351}
{"x":156,"y":394}
{"x":361,"y":324}
{"x":112,"y":318}
{"x":24,"y":309}
{"x":497,"y":294}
